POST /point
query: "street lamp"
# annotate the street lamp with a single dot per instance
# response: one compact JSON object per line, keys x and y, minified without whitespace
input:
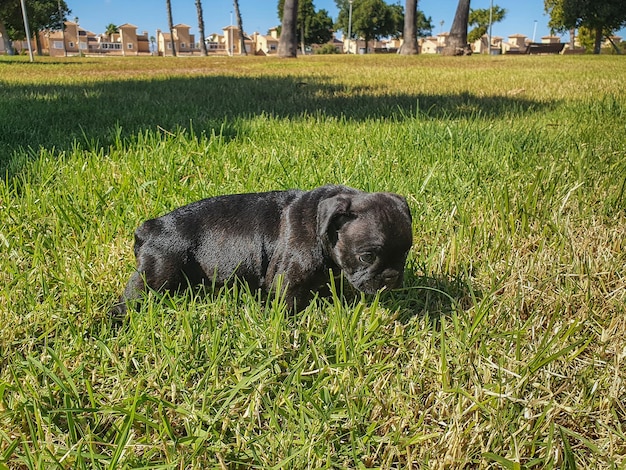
{"x":27,"y":30}
{"x":231,"y":45}
{"x":349,"y":26}
{"x":77,"y":37}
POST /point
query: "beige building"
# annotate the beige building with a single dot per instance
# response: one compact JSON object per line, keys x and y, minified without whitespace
{"x":480,"y":46}
{"x":232,"y":44}
{"x":183,"y":40}
{"x":433,"y":44}
{"x":266,"y":44}
{"x":74,"y":40}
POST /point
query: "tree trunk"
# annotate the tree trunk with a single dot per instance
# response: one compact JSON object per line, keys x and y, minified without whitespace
{"x":38,"y":44}
{"x":457,"y":41}
{"x":8,"y":46}
{"x":409,"y":46}
{"x":288,"y":42}
{"x":598,"y":42}
{"x":170,"y":23}
{"x":203,"y":51}
{"x":242,"y":41}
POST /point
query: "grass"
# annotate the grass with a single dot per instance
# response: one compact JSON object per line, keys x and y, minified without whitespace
{"x":505,"y":348}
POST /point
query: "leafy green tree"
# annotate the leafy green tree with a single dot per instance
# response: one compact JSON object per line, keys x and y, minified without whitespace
{"x":313,"y":27}
{"x":371,"y":19}
{"x":603,"y":17}
{"x":424,"y":25}
{"x":42,"y":15}
{"x":327,"y":49}
{"x":480,"y":19}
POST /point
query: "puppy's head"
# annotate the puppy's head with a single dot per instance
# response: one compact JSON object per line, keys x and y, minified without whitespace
{"x":368,"y":235}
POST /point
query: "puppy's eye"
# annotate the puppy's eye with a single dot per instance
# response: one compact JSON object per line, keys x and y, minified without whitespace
{"x":367,"y":258}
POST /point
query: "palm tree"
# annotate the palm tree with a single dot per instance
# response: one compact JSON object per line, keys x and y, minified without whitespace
{"x":110,"y":30}
{"x":409,"y":46}
{"x":170,"y":22}
{"x":201,"y":28}
{"x":288,"y":42}
{"x":242,"y":42}
{"x":457,"y":41}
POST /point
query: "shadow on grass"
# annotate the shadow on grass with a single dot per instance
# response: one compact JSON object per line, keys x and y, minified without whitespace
{"x":97,"y":114}
{"x":432,"y":295}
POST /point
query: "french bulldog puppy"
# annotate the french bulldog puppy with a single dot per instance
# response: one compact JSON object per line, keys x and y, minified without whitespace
{"x":257,"y":237}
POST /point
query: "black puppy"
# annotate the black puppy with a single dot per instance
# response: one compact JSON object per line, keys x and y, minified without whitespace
{"x":256,"y":237}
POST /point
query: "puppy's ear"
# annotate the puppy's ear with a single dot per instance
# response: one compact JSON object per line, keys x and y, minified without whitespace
{"x":332,"y":213}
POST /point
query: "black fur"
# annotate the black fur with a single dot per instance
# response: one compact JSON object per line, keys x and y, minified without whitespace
{"x":256,"y":237}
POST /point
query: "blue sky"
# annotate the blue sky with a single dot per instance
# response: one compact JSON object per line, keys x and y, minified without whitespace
{"x":258,"y":15}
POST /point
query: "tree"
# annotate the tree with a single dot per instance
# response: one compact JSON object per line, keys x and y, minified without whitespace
{"x":170,"y":23}
{"x":313,"y":27}
{"x":288,"y":42}
{"x":242,"y":41}
{"x":42,"y":15}
{"x":602,"y":17}
{"x":457,"y":41}
{"x":8,"y":45}
{"x":480,"y":18}
{"x":422,"y":27}
{"x":110,"y":30}
{"x":371,"y":19}
{"x":320,"y":28}
{"x":203,"y":51}
{"x":409,"y":46}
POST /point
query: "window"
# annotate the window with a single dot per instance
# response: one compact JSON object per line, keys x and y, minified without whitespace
{"x":57,"y":44}
{"x":71,"y":44}
{"x":130,"y":45}
{"x":182,"y":45}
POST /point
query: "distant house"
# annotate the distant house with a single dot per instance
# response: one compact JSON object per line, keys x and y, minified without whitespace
{"x":517,"y":44}
{"x":481,"y":46}
{"x":266,"y":44}
{"x":216,"y":44}
{"x":73,"y":40}
{"x":132,"y":43}
{"x":183,"y":40}
{"x":550,"y":39}
{"x":232,"y":42}
{"x":433,"y":44}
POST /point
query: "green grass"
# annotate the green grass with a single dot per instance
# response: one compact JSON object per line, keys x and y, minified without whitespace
{"x":505,"y":348}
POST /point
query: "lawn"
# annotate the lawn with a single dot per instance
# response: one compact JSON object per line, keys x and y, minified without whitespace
{"x":504,"y":349}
